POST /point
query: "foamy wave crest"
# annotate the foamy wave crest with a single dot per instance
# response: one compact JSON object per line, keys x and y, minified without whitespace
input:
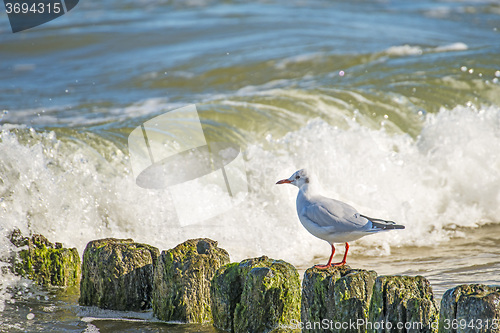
{"x":99,"y":115}
{"x":444,"y":179}
{"x":73,"y":191}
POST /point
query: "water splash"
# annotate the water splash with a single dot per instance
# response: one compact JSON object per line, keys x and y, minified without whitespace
{"x":74,"y":192}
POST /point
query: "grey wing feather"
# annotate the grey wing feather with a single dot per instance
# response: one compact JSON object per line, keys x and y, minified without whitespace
{"x":338,"y":216}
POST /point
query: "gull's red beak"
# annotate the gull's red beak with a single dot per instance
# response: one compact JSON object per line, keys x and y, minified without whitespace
{"x":284,"y":181}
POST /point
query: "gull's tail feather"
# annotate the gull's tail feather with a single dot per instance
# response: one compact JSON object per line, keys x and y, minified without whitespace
{"x":383,"y":224}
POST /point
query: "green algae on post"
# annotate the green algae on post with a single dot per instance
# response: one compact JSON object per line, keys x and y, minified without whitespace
{"x":181,"y":287}
{"x":339,"y":295}
{"x":46,"y":263}
{"x":117,"y":274}
{"x":225,"y":294}
{"x":470,"y":307}
{"x":256,"y":295}
{"x":403,"y":300}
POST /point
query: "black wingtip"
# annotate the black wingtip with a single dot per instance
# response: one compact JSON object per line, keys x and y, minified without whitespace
{"x":390,"y":226}
{"x":387,"y":226}
{"x":383,"y":224}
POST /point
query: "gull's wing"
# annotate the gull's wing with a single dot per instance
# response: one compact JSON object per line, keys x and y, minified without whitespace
{"x":334,"y":215}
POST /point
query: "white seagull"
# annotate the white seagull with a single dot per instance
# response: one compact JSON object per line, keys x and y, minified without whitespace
{"x":332,"y":220}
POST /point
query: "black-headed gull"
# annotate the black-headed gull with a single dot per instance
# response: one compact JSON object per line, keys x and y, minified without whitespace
{"x":332,"y":220}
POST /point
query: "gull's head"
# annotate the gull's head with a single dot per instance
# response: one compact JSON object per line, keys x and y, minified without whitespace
{"x":299,"y":179}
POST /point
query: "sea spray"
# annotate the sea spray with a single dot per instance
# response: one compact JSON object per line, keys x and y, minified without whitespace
{"x":76,"y":189}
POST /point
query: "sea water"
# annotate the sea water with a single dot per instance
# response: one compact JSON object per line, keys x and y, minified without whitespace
{"x":393,"y":106}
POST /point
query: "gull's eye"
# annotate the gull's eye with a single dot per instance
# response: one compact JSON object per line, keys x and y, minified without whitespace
{"x":297,"y":177}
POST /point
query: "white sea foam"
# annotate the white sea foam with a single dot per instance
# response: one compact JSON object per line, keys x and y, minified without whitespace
{"x":452,"y":47}
{"x":447,"y":177}
{"x":405,"y":50}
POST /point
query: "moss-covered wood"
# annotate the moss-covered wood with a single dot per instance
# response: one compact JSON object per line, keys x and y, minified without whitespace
{"x":403,"y":300}
{"x":182,"y":281}
{"x":117,"y":274}
{"x":470,"y":308}
{"x":334,"y":298}
{"x":225,"y":294}
{"x":46,"y":263}
{"x":256,"y":295}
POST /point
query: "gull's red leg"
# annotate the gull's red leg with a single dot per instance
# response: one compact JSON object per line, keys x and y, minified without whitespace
{"x":342,"y":263}
{"x":329,"y":260}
